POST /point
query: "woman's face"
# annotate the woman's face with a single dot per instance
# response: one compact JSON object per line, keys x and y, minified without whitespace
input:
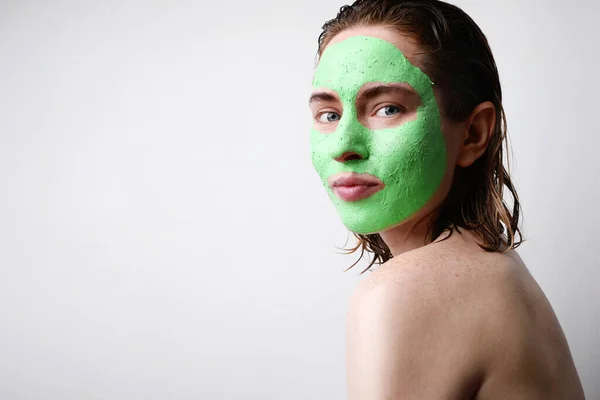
{"x":377,"y":141}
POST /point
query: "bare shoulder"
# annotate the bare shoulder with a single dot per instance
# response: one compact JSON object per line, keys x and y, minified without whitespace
{"x":450,"y":273}
{"x":452,"y":284}
{"x":419,"y":310}
{"x":478,"y":316}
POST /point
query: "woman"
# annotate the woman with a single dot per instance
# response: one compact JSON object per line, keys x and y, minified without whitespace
{"x":407,"y":139}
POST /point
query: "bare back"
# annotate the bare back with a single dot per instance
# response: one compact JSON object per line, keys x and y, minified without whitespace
{"x":459,"y":323}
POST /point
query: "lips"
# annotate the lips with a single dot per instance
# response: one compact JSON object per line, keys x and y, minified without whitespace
{"x":354,"y":187}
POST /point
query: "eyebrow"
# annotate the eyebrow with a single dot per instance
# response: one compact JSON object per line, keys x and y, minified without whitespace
{"x":321,"y":96}
{"x":385,"y":89}
{"x":367,"y":94}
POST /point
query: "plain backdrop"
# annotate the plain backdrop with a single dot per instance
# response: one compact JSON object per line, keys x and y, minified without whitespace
{"x":162,"y":232}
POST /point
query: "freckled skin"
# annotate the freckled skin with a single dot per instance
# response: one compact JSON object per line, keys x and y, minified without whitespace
{"x":451,"y":321}
{"x":410,"y":159}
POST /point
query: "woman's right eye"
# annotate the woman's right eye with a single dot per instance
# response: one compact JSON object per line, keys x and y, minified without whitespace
{"x":329,"y":117}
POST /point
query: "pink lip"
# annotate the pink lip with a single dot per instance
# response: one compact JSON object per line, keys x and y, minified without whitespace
{"x":354,"y":187}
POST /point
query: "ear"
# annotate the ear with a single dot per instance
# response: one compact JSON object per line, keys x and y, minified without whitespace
{"x":478,"y":132}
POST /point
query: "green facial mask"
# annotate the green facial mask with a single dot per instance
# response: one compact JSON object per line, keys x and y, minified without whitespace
{"x":410,"y":159}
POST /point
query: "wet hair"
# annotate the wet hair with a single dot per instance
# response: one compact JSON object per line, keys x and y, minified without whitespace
{"x":458,"y":59}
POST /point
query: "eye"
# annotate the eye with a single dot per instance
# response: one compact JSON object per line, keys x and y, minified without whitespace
{"x":328,"y":117}
{"x":388,"y":111}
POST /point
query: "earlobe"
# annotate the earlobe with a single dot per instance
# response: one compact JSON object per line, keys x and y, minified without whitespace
{"x":478,"y":133}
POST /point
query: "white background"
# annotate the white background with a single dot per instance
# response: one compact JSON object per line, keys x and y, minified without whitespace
{"x":162,"y":232}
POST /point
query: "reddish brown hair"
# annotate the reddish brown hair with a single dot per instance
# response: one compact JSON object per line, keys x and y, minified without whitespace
{"x":458,"y":59}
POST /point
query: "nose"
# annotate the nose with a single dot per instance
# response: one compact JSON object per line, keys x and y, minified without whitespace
{"x":350,"y":141}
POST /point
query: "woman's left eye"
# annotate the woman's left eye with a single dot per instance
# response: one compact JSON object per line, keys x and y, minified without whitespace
{"x":387,"y":111}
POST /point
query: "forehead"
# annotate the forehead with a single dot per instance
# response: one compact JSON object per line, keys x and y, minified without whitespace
{"x":403,"y":42}
{"x":351,"y":60}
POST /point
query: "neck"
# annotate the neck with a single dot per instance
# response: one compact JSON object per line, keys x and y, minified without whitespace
{"x":408,"y":236}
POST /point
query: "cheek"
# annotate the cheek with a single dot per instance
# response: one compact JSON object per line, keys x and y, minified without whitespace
{"x":318,"y":150}
{"x":402,"y":150}
{"x":453,"y":137}
{"x":393,"y":152}
{"x":452,"y":133}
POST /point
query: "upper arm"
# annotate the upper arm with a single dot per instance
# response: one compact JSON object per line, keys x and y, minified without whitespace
{"x":404,"y":339}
